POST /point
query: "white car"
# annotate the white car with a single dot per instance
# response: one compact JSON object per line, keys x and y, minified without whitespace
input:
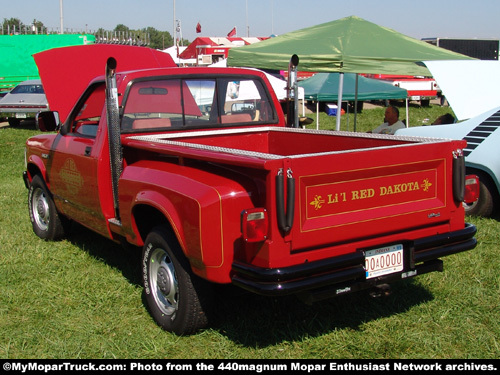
{"x":23,"y":102}
{"x":482,"y":154}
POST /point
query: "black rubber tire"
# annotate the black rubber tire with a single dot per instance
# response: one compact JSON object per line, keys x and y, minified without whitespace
{"x":177,"y":299}
{"x":46,"y":221}
{"x":485,"y":204}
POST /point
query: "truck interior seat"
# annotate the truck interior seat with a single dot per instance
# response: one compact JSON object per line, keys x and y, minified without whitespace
{"x":149,"y":123}
{"x":242,"y":117}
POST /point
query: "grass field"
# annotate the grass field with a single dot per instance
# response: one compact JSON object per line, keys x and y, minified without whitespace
{"x":81,"y":297}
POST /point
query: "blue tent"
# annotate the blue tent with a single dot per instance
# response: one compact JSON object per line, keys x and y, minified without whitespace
{"x":323,"y":87}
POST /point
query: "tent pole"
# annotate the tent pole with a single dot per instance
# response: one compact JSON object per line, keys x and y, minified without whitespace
{"x":317,"y":115}
{"x":355,"y":102}
{"x":347,"y":115}
{"x":339,"y":100}
{"x":407,"y":113}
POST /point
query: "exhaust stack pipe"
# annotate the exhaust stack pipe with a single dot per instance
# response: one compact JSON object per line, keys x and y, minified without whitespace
{"x":292,"y":108}
{"x":113,"y":119}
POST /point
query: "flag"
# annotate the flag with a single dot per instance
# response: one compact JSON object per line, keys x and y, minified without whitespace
{"x":198,"y":28}
{"x":232,"y":32}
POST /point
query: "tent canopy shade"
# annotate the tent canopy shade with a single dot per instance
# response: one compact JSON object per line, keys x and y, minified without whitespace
{"x":350,"y":45}
{"x":347,"y":45}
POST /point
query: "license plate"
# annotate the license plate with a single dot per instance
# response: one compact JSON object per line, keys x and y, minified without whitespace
{"x":415,"y":97}
{"x":20,"y":115}
{"x":383,"y":261}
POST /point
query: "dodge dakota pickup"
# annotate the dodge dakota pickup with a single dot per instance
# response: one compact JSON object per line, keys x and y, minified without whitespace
{"x":197,"y":167}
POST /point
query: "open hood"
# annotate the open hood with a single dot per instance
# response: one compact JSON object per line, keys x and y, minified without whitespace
{"x":471,"y":87}
{"x":67,"y":71}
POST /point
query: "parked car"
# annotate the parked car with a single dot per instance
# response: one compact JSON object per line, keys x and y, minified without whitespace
{"x":481,"y":155}
{"x":23,"y":102}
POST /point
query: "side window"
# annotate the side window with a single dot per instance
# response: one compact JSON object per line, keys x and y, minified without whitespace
{"x":200,"y":105}
{"x":153,"y":105}
{"x":87,"y":119}
{"x":245,"y":100}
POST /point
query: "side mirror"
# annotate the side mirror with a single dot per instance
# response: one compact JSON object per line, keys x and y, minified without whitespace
{"x":47,"y":121}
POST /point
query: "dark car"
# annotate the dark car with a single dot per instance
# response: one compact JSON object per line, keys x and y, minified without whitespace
{"x":23,"y":102}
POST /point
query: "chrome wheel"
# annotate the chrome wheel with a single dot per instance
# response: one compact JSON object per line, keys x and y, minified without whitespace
{"x":40,"y":209}
{"x":164,"y":285}
{"x":46,"y":221}
{"x":176,"y":298}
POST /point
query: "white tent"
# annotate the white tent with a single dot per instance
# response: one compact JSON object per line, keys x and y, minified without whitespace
{"x":173,"y":51}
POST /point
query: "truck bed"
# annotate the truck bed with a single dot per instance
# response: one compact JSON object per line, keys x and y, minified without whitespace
{"x":272,"y":142}
{"x":346,"y":183}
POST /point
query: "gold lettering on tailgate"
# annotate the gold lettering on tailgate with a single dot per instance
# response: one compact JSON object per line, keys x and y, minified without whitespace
{"x":400,"y":188}
{"x":363,"y":194}
{"x":408,"y":188}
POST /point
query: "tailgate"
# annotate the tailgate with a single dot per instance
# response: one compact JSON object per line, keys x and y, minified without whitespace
{"x":363,"y":194}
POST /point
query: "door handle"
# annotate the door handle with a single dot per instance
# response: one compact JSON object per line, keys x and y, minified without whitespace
{"x":88,"y":150}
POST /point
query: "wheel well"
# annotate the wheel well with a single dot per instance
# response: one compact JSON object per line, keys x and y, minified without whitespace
{"x":33,"y":170}
{"x":147,"y":217}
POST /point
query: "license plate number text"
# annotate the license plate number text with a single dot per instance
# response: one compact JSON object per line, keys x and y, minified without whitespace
{"x":384,"y":261}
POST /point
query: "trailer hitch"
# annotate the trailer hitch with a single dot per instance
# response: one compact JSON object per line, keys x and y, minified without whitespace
{"x":285,"y":220}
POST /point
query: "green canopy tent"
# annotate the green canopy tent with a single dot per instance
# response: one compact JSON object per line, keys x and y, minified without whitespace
{"x":347,"y":45}
{"x":323,"y":87}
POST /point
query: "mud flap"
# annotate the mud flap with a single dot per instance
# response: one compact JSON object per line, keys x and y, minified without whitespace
{"x":458,"y":176}
{"x":285,"y":219}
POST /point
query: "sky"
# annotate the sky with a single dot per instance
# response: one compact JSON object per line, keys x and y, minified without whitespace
{"x":259,"y":18}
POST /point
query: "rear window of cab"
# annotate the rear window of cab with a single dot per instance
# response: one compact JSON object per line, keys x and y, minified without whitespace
{"x":163,"y":104}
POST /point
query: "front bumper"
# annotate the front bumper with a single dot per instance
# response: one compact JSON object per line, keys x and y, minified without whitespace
{"x":19,"y":115}
{"x":344,"y":274}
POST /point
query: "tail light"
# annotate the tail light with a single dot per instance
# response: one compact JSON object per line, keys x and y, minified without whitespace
{"x":471,"y":188}
{"x":254,"y":224}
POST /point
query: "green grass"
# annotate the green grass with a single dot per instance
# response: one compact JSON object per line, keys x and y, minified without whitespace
{"x":373,"y":115}
{"x":81,"y":298}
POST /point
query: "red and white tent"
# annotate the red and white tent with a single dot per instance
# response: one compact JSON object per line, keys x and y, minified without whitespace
{"x":216,"y":45}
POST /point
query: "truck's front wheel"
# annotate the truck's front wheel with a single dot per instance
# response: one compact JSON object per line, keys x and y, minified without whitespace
{"x":47,"y":223}
{"x":176,"y":297}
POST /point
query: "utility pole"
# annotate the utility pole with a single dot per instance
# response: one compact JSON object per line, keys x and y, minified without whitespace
{"x":61,"y":16}
{"x":174,"y":35}
{"x":248,"y":27}
{"x":272,"y":17}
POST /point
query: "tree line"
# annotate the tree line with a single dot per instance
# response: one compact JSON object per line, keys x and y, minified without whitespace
{"x":146,"y":36}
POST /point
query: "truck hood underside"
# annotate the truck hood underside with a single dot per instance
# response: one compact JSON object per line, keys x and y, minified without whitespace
{"x":67,"y":71}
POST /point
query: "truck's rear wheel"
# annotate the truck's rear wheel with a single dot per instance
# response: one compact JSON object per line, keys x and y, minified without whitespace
{"x":176,"y":297}
{"x":47,"y":223}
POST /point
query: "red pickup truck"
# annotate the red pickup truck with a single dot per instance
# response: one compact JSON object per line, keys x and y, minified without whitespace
{"x":197,"y":167}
